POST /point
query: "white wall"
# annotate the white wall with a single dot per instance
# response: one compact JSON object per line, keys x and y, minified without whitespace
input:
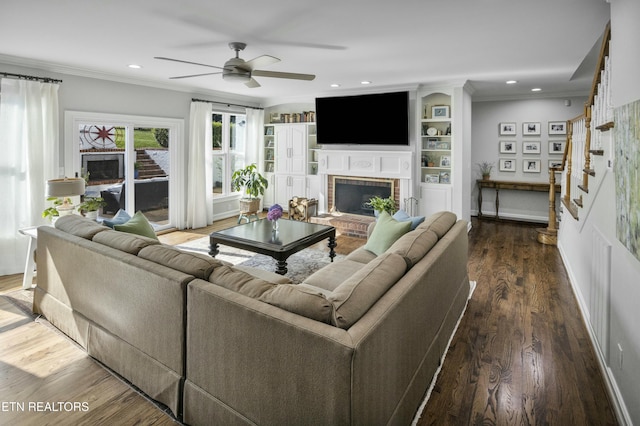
{"x":575,"y":238}
{"x":487,"y":115}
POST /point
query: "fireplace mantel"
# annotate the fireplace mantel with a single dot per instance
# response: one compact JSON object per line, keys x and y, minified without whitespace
{"x":388,"y":164}
{"x":366,"y":164}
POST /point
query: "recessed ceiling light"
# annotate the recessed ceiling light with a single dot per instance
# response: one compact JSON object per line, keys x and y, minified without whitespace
{"x":335,"y":85}
{"x":536,"y":89}
{"x":365,"y":82}
{"x":511,"y":81}
{"x":134,"y":66}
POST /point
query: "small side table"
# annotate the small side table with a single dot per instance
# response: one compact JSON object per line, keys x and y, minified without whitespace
{"x":29,"y":268}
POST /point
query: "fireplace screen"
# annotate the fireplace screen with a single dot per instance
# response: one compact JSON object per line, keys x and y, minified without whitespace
{"x":351,"y":195}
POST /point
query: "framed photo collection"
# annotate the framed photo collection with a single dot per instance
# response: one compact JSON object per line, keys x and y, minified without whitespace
{"x":532,"y":156}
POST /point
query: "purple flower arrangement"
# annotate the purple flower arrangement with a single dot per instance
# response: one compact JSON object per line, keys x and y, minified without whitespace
{"x":275,"y":212}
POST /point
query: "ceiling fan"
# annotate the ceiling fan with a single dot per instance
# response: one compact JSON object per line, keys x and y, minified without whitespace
{"x":241,"y":71}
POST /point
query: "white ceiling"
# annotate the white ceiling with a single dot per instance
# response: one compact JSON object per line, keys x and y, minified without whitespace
{"x":540,"y":43}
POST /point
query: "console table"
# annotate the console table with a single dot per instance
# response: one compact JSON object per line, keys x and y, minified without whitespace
{"x":510,"y":185}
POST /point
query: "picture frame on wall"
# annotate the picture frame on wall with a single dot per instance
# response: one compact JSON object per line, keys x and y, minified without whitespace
{"x":556,"y":147}
{"x":555,"y":164}
{"x":508,"y":147}
{"x":440,"y":111}
{"x":531,"y":147}
{"x":507,"y":129}
{"x":531,"y":128}
{"x":557,"y":128}
{"x":531,"y":166}
{"x":507,"y":165}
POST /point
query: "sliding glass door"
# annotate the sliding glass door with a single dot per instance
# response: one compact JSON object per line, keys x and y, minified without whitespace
{"x":126,"y":161}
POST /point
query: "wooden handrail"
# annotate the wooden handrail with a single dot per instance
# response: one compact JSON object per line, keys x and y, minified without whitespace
{"x":567,"y":156}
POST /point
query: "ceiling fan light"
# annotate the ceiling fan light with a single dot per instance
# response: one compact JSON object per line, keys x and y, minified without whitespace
{"x":236,"y":77}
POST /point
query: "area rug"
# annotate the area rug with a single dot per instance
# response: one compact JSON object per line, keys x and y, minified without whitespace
{"x":300,"y":265}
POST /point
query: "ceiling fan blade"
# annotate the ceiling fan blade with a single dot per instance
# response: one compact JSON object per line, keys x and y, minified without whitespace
{"x":193,"y":75}
{"x":252,"y":84}
{"x":290,"y":75}
{"x":187,"y":62}
{"x":261,"y":61}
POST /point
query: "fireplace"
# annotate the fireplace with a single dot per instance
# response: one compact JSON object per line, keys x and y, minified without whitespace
{"x":350,"y":194}
{"x":103,"y":166}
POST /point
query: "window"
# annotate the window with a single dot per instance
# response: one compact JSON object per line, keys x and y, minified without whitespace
{"x":229,"y":138}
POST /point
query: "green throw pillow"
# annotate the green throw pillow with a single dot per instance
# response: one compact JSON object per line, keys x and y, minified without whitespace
{"x":385,"y":233}
{"x":139,"y":225}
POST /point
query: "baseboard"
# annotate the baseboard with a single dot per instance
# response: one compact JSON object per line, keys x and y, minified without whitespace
{"x":615,"y":395}
{"x":512,"y":216}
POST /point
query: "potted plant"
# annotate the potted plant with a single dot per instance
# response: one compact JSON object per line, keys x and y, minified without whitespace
{"x":251,"y":183}
{"x":379,"y":204}
{"x":61,"y":207}
{"x":90,"y":206}
{"x":485,"y":169}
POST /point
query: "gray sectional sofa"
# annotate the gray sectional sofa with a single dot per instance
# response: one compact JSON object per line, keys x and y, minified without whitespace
{"x":358,"y":342}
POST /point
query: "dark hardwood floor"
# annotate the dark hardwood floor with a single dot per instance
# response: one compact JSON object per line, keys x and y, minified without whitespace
{"x":521,"y":354}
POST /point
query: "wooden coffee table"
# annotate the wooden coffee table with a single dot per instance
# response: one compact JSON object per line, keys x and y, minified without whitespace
{"x":259,"y":237}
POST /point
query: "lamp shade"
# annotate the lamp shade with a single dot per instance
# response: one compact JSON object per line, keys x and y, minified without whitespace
{"x":67,"y":187}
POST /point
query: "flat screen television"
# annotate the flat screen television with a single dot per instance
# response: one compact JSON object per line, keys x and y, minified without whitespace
{"x":371,"y":119}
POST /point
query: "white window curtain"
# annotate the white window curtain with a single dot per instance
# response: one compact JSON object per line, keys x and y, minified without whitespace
{"x":199,"y":211}
{"x":29,"y":149}
{"x":255,"y":125}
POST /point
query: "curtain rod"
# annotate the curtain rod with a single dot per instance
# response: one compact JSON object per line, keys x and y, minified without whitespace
{"x":30,"y":77}
{"x":225,"y":103}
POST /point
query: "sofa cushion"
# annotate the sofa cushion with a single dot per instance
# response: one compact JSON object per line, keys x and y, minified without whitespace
{"x":356,"y":295}
{"x":361,"y":255}
{"x":79,"y":226}
{"x":129,"y":243}
{"x":239,"y":281}
{"x":414,"y":245}
{"x":385,"y":233}
{"x":440,"y":223}
{"x":402,"y":216}
{"x":299,"y":300}
{"x":334,"y":274}
{"x":120,"y":217}
{"x":196,"y":264}
{"x":139,"y":225}
{"x":270,"y":276}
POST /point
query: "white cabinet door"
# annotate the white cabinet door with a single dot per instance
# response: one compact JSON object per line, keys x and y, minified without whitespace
{"x":291,"y":148}
{"x":289,"y":186}
{"x":434,"y":198}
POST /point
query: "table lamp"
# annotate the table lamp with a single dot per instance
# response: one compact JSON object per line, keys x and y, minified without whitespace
{"x":65,"y":188}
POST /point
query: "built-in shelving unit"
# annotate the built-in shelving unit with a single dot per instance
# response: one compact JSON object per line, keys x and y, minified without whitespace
{"x":436,"y":139}
{"x":290,"y":157}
